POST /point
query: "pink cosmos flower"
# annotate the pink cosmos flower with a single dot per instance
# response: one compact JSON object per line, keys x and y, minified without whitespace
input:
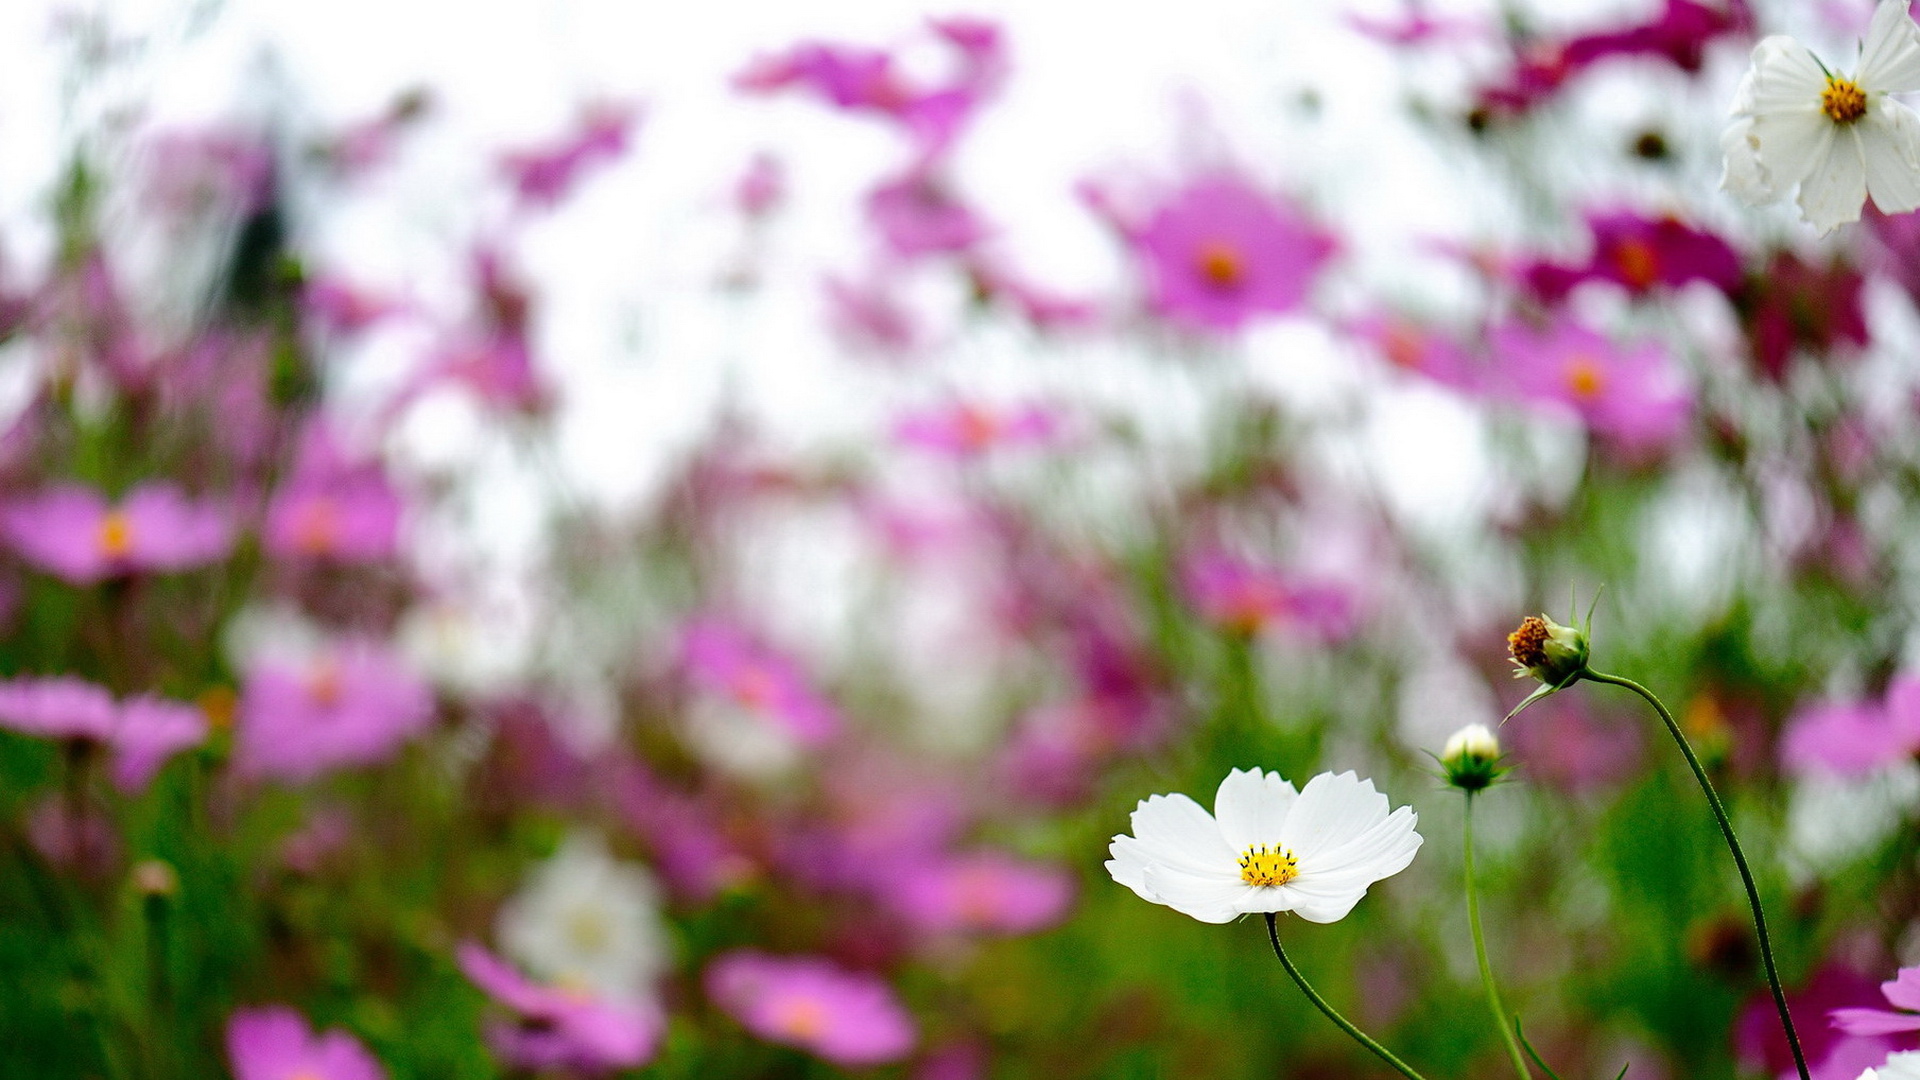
{"x":1831,"y":1053}
{"x":331,"y":507}
{"x":354,"y":703}
{"x":846,"y":1017}
{"x":1793,"y":305}
{"x":562,"y":1027}
{"x":1246,"y":598}
{"x":142,"y":731}
{"x":1632,"y":396}
{"x":543,"y":175}
{"x":966,"y":429}
{"x":72,"y":532}
{"x":1411,"y":347}
{"x":1857,"y":737}
{"x":980,"y":892}
{"x":723,"y":659}
{"x":275,"y":1043}
{"x":918,"y":214}
{"x":1902,"y":992}
{"x":1219,"y":253}
{"x":1639,"y":253}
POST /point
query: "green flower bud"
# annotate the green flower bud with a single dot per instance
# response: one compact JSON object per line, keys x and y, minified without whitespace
{"x":1471,"y":758}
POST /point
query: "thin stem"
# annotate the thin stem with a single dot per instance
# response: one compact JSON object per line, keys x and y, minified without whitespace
{"x":1273,"y":935}
{"x":1480,"y":954}
{"x":1739,"y":858}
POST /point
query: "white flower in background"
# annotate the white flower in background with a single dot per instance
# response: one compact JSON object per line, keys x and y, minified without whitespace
{"x":1312,"y":853}
{"x":586,"y":920}
{"x":1839,"y":137}
{"x":1901,"y":1066}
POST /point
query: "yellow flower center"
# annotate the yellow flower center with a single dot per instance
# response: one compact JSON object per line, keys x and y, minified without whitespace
{"x":1528,"y":644}
{"x":587,"y":930}
{"x":800,"y":1018}
{"x":1843,"y":101}
{"x":1264,"y":866}
{"x":1220,"y":265}
{"x":1585,"y":378}
{"x":116,"y":535}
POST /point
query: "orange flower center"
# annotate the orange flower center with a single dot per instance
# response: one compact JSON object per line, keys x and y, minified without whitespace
{"x":324,"y":684}
{"x":316,"y":526}
{"x":1264,"y":867}
{"x":1220,"y":265}
{"x":1638,"y":263}
{"x":754,"y":687}
{"x":1404,"y":348}
{"x":977,"y":427}
{"x":800,"y":1018}
{"x":1843,"y":101}
{"x":1585,"y":378}
{"x":1528,"y":642}
{"x":116,"y":535}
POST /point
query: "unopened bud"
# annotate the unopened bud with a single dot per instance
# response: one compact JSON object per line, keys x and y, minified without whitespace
{"x":1471,"y":758}
{"x":155,"y":878}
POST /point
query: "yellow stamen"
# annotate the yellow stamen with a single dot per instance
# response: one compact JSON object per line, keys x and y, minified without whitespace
{"x":1220,"y":266}
{"x":1528,"y":644}
{"x":1843,"y":101}
{"x":1585,"y":378}
{"x":116,"y":535}
{"x":1264,"y":867}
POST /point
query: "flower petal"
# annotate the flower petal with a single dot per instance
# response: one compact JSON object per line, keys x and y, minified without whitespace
{"x":1832,"y":194}
{"x":1331,"y":811}
{"x":1175,"y":831}
{"x":1743,"y":174}
{"x":1874,"y":1021}
{"x":1890,"y":59}
{"x":1890,"y":141}
{"x":1207,"y":899}
{"x":1903,"y":990}
{"x":1251,"y":807}
{"x":1382,"y":851}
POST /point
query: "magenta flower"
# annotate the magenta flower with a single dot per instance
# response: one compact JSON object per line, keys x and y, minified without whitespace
{"x":275,"y":1043}
{"x":1832,"y":1053}
{"x":354,"y":703}
{"x":1246,"y":598}
{"x":142,"y":732}
{"x":1857,"y":737}
{"x":562,"y":1028}
{"x":723,"y":659}
{"x":982,"y":892}
{"x":543,"y":175}
{"x":845,"y":1017}
{"x":73,"y":533}
{"x":965,"y":429}
{"x":1632,"y":396}
{"x":331,"y":507}
{"x":1639,"y":253}
{"x":1903,"y":993}
{"x":1220,"y":253}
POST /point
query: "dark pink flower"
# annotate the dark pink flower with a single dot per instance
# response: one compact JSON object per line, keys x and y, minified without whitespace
{"x":1632,"y":396}
{"x":847,"y":1017}
{"x":332,"y":507}
{"x":966,"y":429}
{"x":73,"y":533}
{"x":1639,"y":253}
{"x":142,"y":732}
{"x":354,"y":703}
{"x":1831,"y":1054}
{"x":1220,"y":253}
{"x":1902,"y":992}
{"x":725,"y":660}
{"x":562,"y":1028}
{"x":1793,"y":304}
{"x":543,"y":175}
{"x":275,"y":1043}
{"x":1680,"y":34}
{"x":1857,"y":737}
{"x":980,"y":892}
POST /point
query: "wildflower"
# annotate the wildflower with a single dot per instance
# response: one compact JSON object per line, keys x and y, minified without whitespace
{"x":1270,"y":849}
{"x":1220,"y":253}
{"x":275,"y":1043}
{"x":73,"y":533}
{"x":1639,"y":254}
{"x":965,"y":429}
{"x":1411,"y":347}
{"x":918,"y":214}
{"x":723,"y":659}
{"x":981,"y":892}
{"x":1629,"y":395}
{"x":1555,"y":655}
{"x":332,"y":507}
{"x":1795,"y":304}
{"x":845,"y":1017}
{"x":1839,"y":137}
{"x":563,"y":1027}
{"x":586,"y":920}
{"x":1855,"y":738}
{"x":1471,"y":758}
{"x":1902,"y":992}
{"x":1244,"y":598}
{"x":544,"y":175}
{"x":142,"y":732}
{"x":349,"y":703}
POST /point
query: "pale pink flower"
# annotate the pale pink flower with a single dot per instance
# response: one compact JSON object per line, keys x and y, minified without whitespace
{"x":275,"y":1043}
{"x":544,"y":174}
{"x":722,"y":659}
{"x":1219,"y":254}
{"x":332,"y":507}
{"x":142,"y":732}
{"x":846,"y":1017}
{"x":965,"y":429}
{"x":918,"y":214}
{"x":75,"y":534}
{"x":353,"y":703}
{"x":562,"y":1027}
{"x":980,"y":892}
{"x":1854,"y":738}
{"x":1633,"y":396}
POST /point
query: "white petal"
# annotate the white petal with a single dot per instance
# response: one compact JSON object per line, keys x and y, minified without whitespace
{"x":1791,"y":145}
{"x":1251,"y":807}
{"x":1326,"y":902}
{"x":1834,"y":191}
{"x":1331,"y":811}
{"x":1890,"y":59}
{"x":1890,"y":139}
{"x":1382,"y":851}
{"x":1173,"y":830}
{"x":1785,"y":77}
{"x":1210,"y":900}
{"x":1742,"y":175}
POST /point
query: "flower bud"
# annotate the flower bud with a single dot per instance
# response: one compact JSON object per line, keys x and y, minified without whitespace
{"x":1471,"y":758}
{"x":1554,"y":654}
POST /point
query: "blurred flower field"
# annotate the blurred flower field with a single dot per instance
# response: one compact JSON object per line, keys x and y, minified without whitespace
{"x":1445,"y":599}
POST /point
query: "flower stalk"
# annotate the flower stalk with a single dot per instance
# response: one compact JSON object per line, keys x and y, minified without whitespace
{"x":1500,"y":1016}
{"x":1273,"y":935}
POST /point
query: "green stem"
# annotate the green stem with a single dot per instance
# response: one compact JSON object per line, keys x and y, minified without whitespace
{"x":1480,"y":954}
{"x":1739,"y":858}
{"x":1273,"y":935}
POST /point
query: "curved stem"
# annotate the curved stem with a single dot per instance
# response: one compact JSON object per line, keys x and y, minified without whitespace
{"x":1739,"y":858}
{"x":1273,"y":935}
{"x":1480,"y":954}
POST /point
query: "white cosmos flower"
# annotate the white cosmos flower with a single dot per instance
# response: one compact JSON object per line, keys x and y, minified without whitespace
{"x":1901,"y":1066}
{"x":1839,"y":137}
{"x":1270,"y":849}
{"x":587,"y":920}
